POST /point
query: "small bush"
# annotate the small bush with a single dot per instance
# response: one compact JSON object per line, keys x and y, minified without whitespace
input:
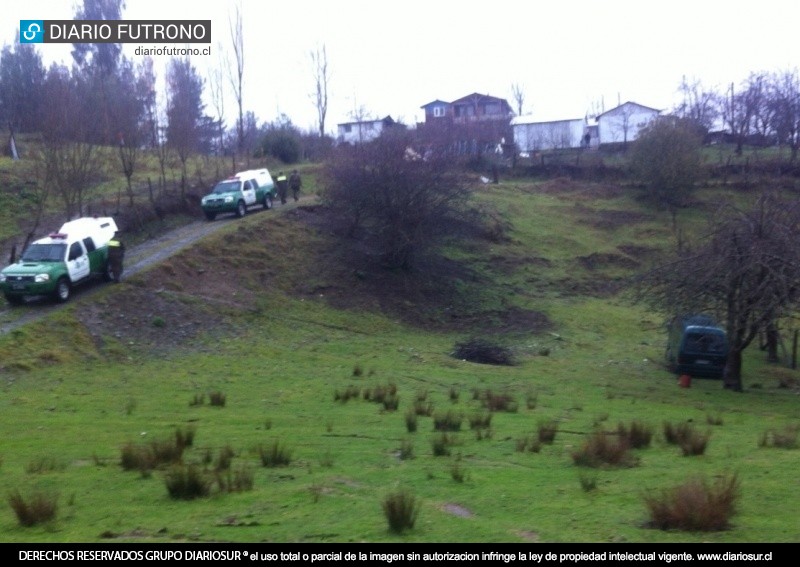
{"x":531,"y":400}
{"x":38,"y":508}
{"x":675,"y":434}
{"x":546,"y":432}
{"x":238,"y":480}
{"x":482,"y":351}
{"x":197,"y":400}
{"x":695,"y":443}
{"x":411,"y":421}
{"x":159,"y":322}
{"x":588,"y":482}
{"x":637,"y":435}
{"x":42,"y":465}
{"x":694,"y":505}
{"x":406,"y":451}
{"x":391,"y":402}
{"x":224,"y":458}
{"x":185,"y":438}
{"x":187,"y":482}
{"x":480,"y":421}
{"x":441,"y":444}
{"x":423,"y":408}
{"x":357,"y":370}
{"x":499,"y":402}
{"x":531,"y":443}
{"x":401,"y":511}
{"x":349,"y":393}
{"x":449,"y":421}
{"x":216,"y":398}
{"x":457,"y":472}
{"x":453,"y":394}
{"x":274,"y":455}
{"x":785,"y":439}
{"x":603,"y":449}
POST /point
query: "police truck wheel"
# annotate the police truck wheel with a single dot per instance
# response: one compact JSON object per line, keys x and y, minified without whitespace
{"x":241,"y":210}
{"x":15,"y":299}
{"x":267,"y":201}
{"x":211,"y":216}
{"x":108,"y":274}
{"x":62,"y":290}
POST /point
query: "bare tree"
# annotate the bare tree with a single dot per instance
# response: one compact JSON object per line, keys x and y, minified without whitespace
{"x":785,"y":101}
{"x":518,"y":93}
{"x":740,"y":109}
{"x":319,"y":62}
{"x":237,"y":72}
{"x":746,"y":271}
{"x":700,"y":105}
{"x":217,"y":95}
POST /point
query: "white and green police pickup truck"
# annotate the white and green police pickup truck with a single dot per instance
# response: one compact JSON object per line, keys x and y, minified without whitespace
{"x":76,"y":253}
{"x":240,"y":192}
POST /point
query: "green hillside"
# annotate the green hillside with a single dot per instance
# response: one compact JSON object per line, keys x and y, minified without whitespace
{"x":260,"y":345}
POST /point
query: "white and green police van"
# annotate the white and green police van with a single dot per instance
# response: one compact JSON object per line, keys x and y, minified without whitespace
{"x":238,"y":193}
{"x":78,"y":252}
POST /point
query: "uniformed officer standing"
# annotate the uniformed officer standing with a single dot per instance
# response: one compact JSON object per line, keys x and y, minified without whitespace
{"x":116,"y":255}
{"x":282,"y":187}
{"x":294,"y":184}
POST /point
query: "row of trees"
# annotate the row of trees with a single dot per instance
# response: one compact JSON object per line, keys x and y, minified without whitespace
{"x":763,"y":109}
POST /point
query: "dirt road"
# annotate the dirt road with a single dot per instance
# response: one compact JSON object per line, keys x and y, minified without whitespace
{"x":137,"y":258}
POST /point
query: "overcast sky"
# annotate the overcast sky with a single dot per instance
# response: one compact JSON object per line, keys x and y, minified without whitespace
{"x":389,"y":58}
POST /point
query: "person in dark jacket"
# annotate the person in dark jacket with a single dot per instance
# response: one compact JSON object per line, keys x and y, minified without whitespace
{"x":116,"y":256}
{"x":295,"y":184}
{"x":282,"y":187}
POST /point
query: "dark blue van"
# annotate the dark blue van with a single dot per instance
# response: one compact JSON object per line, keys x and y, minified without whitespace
{"x":696,"y":346}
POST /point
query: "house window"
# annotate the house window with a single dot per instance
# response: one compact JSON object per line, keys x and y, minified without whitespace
{"x":438,"y":111}
{"x":348,"y":128}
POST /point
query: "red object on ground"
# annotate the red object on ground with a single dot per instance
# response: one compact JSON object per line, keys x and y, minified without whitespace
{"x":685,"y":381}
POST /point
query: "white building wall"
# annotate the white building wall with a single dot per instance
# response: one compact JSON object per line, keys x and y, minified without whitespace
{"x":359,"y":132}
{"x":538,"y":136}
{"x":623,"y":124}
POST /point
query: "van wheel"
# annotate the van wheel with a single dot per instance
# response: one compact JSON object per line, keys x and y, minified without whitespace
{"x":267,"y":201}
{"x":211,"y":216}
{"x":62,"y":289}
{"x":241,"y":209}
{"x":108,"y":273}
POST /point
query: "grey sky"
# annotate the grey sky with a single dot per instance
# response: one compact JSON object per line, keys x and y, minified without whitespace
{"x":389,"y":58}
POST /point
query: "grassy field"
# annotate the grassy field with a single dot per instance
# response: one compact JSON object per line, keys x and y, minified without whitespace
{"x":253,"y":343}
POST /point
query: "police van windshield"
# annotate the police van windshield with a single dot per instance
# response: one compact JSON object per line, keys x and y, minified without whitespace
{"x":44,"y":253}
{"x":226,"y":187}
{"x":705,"y":342}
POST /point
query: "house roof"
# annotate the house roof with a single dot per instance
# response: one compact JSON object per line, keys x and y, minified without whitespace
{"x":436,"y":102}
{"x":628,"y":103}
{"x":479,"y":98}
{"x":529,"y":119}
{"x":388,"y":120}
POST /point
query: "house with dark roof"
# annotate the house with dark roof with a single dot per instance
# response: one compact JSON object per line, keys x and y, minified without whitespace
{"x":363,"y":131}
{"x":471,"y":108}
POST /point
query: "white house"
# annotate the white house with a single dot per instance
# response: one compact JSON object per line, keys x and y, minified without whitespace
{"x":535,"y":135}
{"x":623,"y":123}
{"x":362,"y":131}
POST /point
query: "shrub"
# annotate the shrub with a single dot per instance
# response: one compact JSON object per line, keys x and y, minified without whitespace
{"x":449,"y":421}
{"x":637,"y":435}
{"x":694,"y":505}
{"x":39,"y":507}
{"x":239,"y":480}
{"x":401,"y":511}
{"x":588,"y":482}
{"x":675,"y":434}
{"x":44,"y":465}
{"x":457,"y":472}
{"x":423,"y":408}
{"x":785,"y":439}
{"x":391,"y":402}
{"x":499,"y":402}
{"x":274,"y":455}
{"x":406,"y":450}
{"x":411,"y":421}
{"x":197,"y":400}
{"x":187,"y":482}
{"x":546,"y":432}
{"x":694,"y":443}
{"x":604,"y":449}
{"x":480,"y":421}
{"x":483,"y":351}
{"x":216,"y":399}
{"x":224,"y":458}
{"x":441,"y":444}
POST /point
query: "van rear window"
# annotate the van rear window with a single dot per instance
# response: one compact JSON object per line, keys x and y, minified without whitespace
{"x":705,"y":342}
